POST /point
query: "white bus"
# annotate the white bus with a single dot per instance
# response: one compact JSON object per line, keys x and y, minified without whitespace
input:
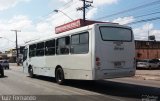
{"x":94,"y":52}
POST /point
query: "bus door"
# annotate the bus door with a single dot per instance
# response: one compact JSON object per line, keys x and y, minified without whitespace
{"x":25,"y":60}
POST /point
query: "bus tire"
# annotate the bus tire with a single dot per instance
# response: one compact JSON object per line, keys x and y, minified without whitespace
{"x":30,"y":72}
{"x":59,"y":76}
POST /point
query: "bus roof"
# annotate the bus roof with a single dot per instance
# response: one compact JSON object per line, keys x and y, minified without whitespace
{"x":80,"y":29}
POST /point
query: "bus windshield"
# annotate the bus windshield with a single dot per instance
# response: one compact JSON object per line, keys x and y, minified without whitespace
{"x":115,"y":34}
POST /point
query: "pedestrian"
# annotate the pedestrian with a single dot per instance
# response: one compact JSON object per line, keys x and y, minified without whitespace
{"x":1,"y":71}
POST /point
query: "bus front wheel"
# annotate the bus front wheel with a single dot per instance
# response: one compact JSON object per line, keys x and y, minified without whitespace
{"x":30,"y":71}
{"x":59,"y":76}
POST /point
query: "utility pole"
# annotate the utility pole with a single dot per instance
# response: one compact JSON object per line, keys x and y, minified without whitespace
{"x":17,"y":55}
{"x":148,"y":39}
{"x":85,"y":6}
{"x":84,"y":10}
{"x":148,"y":44}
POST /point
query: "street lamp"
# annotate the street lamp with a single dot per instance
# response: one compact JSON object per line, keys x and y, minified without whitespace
{"x":56,"y":10}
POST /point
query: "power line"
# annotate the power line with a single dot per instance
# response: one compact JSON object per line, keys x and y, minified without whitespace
{"x":131,"y":9}
{"x":71,"y":4}
{"x":7,"y":48}
{"x":65,"y":10}
{"x":147,"y":14}
{"x":144,"y":15}
{"x":144,"y":20}
{"x":65,"y":6}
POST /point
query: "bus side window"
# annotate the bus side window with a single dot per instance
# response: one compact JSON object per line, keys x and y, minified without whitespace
{"x":50,"y":47}
{"x":62,"y":45}
{"x":80,"y":43}
{"x":40,"y":49}
{"x":32,"y":50}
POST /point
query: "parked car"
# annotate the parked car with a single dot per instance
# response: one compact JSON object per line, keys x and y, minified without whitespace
{"x":148,"y":63}
{"x":4,"y":64}
{"x":1,"y":71}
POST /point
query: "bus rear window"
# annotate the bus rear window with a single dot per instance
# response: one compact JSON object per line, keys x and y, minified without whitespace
{"x":116,"y":34}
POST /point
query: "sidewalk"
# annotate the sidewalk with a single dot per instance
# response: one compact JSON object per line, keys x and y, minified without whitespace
{"x":14,"y":67}
{"x":148,"y":74}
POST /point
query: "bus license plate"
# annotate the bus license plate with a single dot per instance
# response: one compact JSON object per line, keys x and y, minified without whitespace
{"x":117,"y":64}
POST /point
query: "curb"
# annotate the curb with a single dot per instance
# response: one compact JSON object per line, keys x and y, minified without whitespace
{"x":147,"y":77}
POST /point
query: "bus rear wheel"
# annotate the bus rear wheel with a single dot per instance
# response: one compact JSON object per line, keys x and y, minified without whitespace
{"x":59,"y":76}
{"x":30,"y":71}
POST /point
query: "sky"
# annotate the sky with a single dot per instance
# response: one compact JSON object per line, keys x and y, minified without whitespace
{"x":36,"y":19}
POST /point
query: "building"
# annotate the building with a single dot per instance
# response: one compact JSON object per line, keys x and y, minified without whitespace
{"x":12,"y":54}
{"x":147,"y":49}
{"x":3,"y":56}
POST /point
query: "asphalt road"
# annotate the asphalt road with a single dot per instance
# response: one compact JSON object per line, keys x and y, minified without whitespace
{"x":42,"y":88}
